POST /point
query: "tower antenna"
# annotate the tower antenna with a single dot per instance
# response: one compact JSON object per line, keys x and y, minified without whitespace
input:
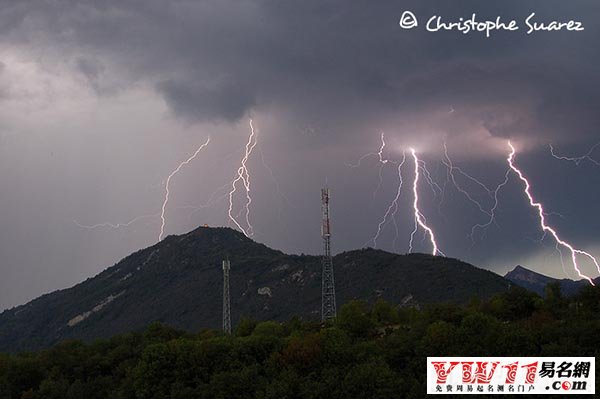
{"x":328,"y":308}
{"x":226,"y":299}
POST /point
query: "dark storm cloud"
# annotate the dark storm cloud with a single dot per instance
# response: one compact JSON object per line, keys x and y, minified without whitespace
{"x":227,"y":100}
{"x":324,"y":59}
{"x":323,"y":77}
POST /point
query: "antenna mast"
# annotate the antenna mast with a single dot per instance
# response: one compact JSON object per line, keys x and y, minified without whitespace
{"x":226,"y":301}
{"x":328,"y":308}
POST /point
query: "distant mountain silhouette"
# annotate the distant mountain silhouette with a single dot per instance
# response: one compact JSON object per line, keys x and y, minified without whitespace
{"x":537,"y":282}
{"x":178,"y":282}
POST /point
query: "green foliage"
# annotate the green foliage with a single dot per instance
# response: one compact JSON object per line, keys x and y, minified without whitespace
{"x":269,"y":328}
{"x":441,"y":337}
{"x":368,"y":352}
{"x":588,"y":300}
{"x":384,"y":313}
{"x":516,"y":303}
{"x":354,"y":319}
{"x":245,"y":327}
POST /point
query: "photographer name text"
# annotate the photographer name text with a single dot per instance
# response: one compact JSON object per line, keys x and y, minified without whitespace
{"x":530,"y":25}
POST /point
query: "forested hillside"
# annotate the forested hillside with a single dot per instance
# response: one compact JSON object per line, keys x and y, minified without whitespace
{"x":374,"y":351}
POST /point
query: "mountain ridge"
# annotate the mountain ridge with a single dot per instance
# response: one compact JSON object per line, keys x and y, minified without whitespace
{"x":178,"y":282}
{"x":537,"y":282}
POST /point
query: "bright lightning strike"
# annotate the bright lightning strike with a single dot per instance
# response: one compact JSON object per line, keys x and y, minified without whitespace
{"x":382,"y":163}
{"x":393,"y":208}
{"x":244,"y":177}
{"x":542,"y":216}
{"x":379,"y":154}
{"x":166,"y":200}
{"x":577,"y":160}
{"x":419,"y":218}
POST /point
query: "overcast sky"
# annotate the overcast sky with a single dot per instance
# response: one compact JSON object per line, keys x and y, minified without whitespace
{"x":101,"y":100}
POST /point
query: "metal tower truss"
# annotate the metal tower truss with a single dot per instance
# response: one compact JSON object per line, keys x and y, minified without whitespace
{"x":328,"y":306}
{"x":226,"y":298}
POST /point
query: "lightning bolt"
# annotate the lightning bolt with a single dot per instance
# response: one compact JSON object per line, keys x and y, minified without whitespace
{"x":244,"y":177}
{"x":114,"y":225}
{"x":546,"y":228}
{"x":378,"y":154}
{"x":435,"y":188}
{"x":419,"y":218}
{"x":275,"y":183}
{"x":223,"y":190}
{"x":380,"y":159}
{"x":382,"y":163}
{"x":562,"y":260}
{"x":393,"y":207}
{"x":492,"y":213}
{"x":451,"y":169}
{"x":167,"y":185}
{"x":212,"y":200}
{"x":577,"y":160}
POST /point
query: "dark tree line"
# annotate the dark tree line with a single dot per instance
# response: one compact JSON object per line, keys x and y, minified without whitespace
{"x":373,"y":351}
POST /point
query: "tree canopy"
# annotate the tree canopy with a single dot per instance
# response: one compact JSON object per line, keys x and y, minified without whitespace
{"x":370,"y":351}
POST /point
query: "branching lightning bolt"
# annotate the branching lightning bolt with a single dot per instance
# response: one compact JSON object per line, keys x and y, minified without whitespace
{"x":277,"y":185}
{"x":493,"y":194}
{"x":274,"y":179}
{"x":451,"y":168}
{"x":419,"y":218}
{"x":168,"y":182}
{"x":547,"y":229}
{"x":213,"y":199}
{"x":393,"y":207}
{"x":208,"y":203}
{"x":115,"y":225}
{"x":382,"y":163}
{"x":244,"y":177}
{"x":435,"y":188}
{"x":492,"y":213}
{"x":577,"y":160}
{"x":381,"y":160}
{"x":379,"y":154}
{"x":562,"y":260}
